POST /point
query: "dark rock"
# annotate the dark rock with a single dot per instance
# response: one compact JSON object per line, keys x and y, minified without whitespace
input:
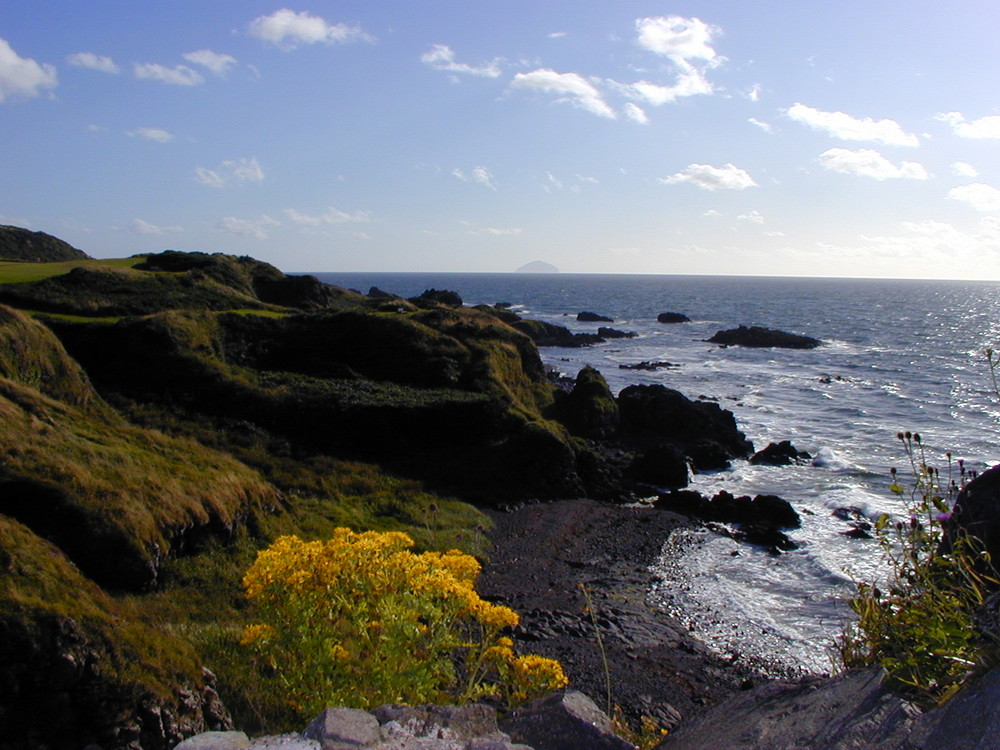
{"x":589,"y":410}
{"x":969,"y":721}
{"x":672,"y":317}
{"x":685,"y":502}
{"x":766,"y":535}
{"x":549,"y":334}
{"x":856,"y":532}
{"x":780,"y":454}
{"x":376,"y":293}
{"x":500,"y":312}
{"x":662,"y":466}
{"x":614,"y":333}
{"x":987,"y":618}
{"x":849,"y":513}
{"x":441,"y":297}
{"x":17,"y":243}
{"x":763,"y":337}
{"x":563,"y":721}
{"x":775,"y":510}
{"x":977,"y":513}
{"x":303,"y":292}
{"x":592,"y":317}
{"x":708,"y":455}
{"x":851,"y":710}
{"x":653,"y":414}
{"x":647,"y":365}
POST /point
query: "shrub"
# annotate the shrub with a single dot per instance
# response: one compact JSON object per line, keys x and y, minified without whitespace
{"x":359,"y":620}
{"x":918,"y":624}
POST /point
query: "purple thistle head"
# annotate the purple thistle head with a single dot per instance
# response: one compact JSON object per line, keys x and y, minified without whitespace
{"x":943,"y":517}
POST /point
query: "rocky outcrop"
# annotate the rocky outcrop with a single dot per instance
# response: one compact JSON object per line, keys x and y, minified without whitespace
{"x":780,"y":454}
{"x":592,"y":317}
{"x":661,"y":466}
{"x":647,"y":365}
{"x":550,"y":334}
{"x":672,"y":317}
{"x":17,"y":243}
{"x":439,"y":296}
{"x":589,"y":410}
{"x":760,"y":519}
{"x":977,"y":513}
{"x":563,"y":721}
{"x":655,"y":414}
{"x":614,"y":333}
{"x":757,"y":337}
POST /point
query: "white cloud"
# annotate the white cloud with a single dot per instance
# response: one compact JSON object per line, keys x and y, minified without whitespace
{"x":635,"y":113}
{"x":331,"y":216}
{"x":152,"y":134}
{"x":568,"y":87}
{"x":558,"y":35}
{"x":441,"y":57}
{"x":680,"y":39}
{"x":179,"y":75}
{"x":984,"y":127}
{"x":689,"y":83}
{"x":868,"y":163}
{"x":762,"y":125}
{"x":230,"y":173}
{"x":253,"y":228}
{"x":93,"y":62}
{"x":213,"y":61}
{"x":980,"y":196}
{"x":848,"y":128}
{"x":753,"y":93}
{"x":753,"y":217}
{"x":496,"y":232}
{"x":21,"y":76}
{"x":287,"y":29}
{"x":962,"y":169}
{"x":144,"y":227}
{"x":729,"y":177}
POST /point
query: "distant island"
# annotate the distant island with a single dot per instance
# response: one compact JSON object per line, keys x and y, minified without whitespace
{"x":538,"y":266}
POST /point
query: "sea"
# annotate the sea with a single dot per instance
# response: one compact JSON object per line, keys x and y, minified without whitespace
{"x":896,"y":356}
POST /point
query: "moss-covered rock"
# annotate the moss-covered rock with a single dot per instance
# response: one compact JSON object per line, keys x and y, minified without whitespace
{"x":590,"y":410}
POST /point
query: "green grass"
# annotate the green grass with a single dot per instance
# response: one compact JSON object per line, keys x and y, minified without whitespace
{"x":16,"y":272}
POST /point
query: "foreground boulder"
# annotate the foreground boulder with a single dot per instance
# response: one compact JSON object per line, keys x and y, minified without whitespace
{"x":977,"y":513}
{"x":755,"y":336}
{"x":563,"y":721}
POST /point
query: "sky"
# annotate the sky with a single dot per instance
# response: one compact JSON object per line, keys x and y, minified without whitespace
{"x":858,"y":138}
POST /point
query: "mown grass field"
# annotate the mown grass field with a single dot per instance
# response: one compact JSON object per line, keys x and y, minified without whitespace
{"x":13,"y":272}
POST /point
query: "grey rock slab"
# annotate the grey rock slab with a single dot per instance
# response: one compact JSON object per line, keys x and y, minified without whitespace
{"x":342,"y":728}
{"x":444,"y":722}
{"x":563,"y":721}
{"x":284,"y":742}
{"x":969,"y":721}
{"x":215,"y":741}
{"x":851,"y":711}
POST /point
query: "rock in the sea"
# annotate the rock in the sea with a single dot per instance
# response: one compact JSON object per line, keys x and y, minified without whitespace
{"x":672,"y":317}
{"x":655,"y":414}
{"x":649,"y":365}
{"x":563,"y":721}
{"x":592,"y":317}
{"x":614,"y":333}
{"x":780,"y":454}
{"x":755,"y":336}
{"x":549,"y":334}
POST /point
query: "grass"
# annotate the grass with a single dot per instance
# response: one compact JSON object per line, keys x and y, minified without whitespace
{"x":19,"y":272}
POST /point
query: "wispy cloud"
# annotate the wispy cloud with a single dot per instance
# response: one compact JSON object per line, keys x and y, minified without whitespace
{"x":762,"y":125}
{"x":979,"y":195}
{"x":984,"y":127}
{"x":145,"y":228}
{"x":230,"y":173}
{"x":752,"y":217}
{"x":252,"y":228}
{"x":219,"y":64}
{"x":287,"y":30}
{"x":330,"y":216}
{"x":151,"y":134}
{"x":635,"y":113}
{"x":22,"y":76}
{"x":962,"y":169}
{"x":729,"y":177}
{"x":571,"y":88}
{"x":93,"y":62}
{"x":848,"y":128}
{"x":441,"y":57}
{"x":869,"y":163}
{"x":179,"y":75}
{"x":480,"y":175}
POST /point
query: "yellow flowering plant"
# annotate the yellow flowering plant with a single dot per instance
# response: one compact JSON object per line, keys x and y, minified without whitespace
{"x":359,"y":620}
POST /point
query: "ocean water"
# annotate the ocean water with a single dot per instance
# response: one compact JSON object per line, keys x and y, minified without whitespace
{"x":896,"y":356}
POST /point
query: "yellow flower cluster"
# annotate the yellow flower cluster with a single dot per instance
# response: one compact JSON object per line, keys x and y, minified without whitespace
{"x":360,"y":619}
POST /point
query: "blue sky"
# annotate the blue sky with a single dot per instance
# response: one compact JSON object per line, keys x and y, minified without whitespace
{"x":857,"y":138}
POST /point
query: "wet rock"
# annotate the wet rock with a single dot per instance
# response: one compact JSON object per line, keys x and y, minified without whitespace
{"x":780,"y":454}
{"x":614,"y":333}
{"x":592,"y":317}
{"x":755,"y":336}
{"x":662,"y":466}
{"x":707,"y":455}
{"x":650,"y":365}
{"x":672,"y":317}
